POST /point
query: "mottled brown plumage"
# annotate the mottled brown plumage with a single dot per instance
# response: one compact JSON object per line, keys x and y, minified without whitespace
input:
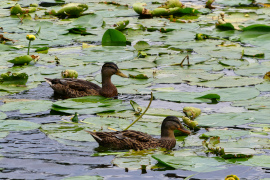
{"x":71,"y":88}
{"x":130,"y":139}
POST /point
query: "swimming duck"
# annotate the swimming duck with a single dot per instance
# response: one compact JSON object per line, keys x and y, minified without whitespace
{"x":130,"y":139}
{"x":71,"y":88}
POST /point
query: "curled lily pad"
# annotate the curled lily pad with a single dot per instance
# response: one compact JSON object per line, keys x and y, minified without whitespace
{"x":21,"y":60}
{"x":140,"y":9}
{"x":192,"y":112}
{"x":139,"y":76}
{"x":267,"y":76}
{"x":113,"y":37}
{"x":69,"y":74}
{"x":191,"y":124}
{"x":225,"y":26}
{"x":16,"y":9}
{"x":70,"y":10}
{"x":14,"y":78}
{"x":121,"y":25}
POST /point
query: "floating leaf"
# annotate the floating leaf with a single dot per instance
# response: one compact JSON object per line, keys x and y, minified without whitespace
{"x":27,"y":107}
{"x":139,"y":76}
{"x":138,"y":8}
{"x":257,"y":27}
{"x":225,"y":26}
{"x":17,"y":125}
{"x":121,"y":25}
{"x":191,"y":163}
{"x":14,"y":78}
{"x":21,"y":60}
{"x":113,"y":37}
{"x":141,"y":45}
{"x":136,"y":107}
{"x":43,"y":50}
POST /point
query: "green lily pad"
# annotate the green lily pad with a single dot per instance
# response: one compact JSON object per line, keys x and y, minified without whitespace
{"x":257,"y":27}
{"x":141,"y":45}
{"x":14,"y":78}
{"x":27,"y":107}
{"x":262,"y":161}
{"x":231,"y":119}
{"x":229,"y":81}
{"x":88,"y":105}
{"x":227,"y":94}
{"x":113,"y":37}
{"x":191,"y":163}
{"x":227,"y":134}
{"x":3,"y":134}
{"x":90,"y":21}
{"x":2,"y":115}
{"x":21,"y":60}
{"x":261,"y":102}
{"x":17,"y":125}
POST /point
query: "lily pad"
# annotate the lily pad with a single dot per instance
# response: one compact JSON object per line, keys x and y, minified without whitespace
{"x":113,"y":37}
{"x":229,"y":81}
{"x":2,"y":115}
{"x":261,"y":102}
{"x":3,"y":134}
{"x":21,"y":60}
{"x":28,"y":106}
{"x":227,"y":134}
{"x":231,"y":119}
{"x":17,"y":125}
{"x":88,"y":105}
{"x":191,"y":163}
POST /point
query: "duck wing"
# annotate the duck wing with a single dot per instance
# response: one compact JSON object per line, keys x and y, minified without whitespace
{"x":73,"y":87}
{"x":128,"y":139}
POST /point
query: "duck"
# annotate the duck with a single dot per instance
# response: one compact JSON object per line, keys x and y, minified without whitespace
{"x":131,"y":139}
{"x":72,"y":88}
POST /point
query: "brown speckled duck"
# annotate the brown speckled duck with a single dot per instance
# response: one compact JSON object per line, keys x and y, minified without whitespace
{"x":71,"y":88}
{"x":130,"y":139}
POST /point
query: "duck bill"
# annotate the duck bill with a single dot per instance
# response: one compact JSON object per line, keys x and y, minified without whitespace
{"x":119,"y":73}
{"x":184,"y":130}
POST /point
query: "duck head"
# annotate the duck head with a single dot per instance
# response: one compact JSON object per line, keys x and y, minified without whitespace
{"x":169,"y":124}
{"x":109,"y":69}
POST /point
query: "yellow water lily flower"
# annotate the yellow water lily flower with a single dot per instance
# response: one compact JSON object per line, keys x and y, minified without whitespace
{"x":30,"y":37}
{"x":232,"y":177}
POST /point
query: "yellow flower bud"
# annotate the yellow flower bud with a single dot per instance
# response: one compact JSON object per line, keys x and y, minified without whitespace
{"x":30,"y":37}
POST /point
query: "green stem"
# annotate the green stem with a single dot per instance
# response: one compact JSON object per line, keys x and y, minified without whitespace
{"x":29,"y":47}
{"x":142,"y":113}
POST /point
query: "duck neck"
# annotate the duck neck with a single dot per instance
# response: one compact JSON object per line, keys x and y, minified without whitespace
{"x":106,"y":81}
{"x":167,"y":134}
{"x":108,"y":89}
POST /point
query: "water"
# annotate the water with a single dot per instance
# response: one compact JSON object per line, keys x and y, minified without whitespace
{"x":33,"y":155}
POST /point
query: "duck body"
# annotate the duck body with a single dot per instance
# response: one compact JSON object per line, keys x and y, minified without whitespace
{"x":130,"y":139}
{"x":72,"y":88}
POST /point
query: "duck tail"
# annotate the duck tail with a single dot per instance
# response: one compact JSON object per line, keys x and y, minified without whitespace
{"x":49,"y":81}
{"x":98,"y":139}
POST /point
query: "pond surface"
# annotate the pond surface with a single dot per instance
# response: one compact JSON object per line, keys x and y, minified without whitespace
{"x":38,"y":140}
